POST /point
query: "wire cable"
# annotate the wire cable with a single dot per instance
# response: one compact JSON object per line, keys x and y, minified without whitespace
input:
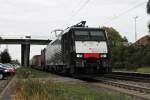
{"x":125,"y":12}
{"x":75,"y":11}
{"x":78,"y":10}
{"x":77,"y":5}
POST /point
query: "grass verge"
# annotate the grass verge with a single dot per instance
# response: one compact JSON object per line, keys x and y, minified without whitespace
{"x":26,"y":72}
{"x":31,"y":87}
{"x":143,"y":70}
{"x":138,"y":69}
{"x":47,"y":90}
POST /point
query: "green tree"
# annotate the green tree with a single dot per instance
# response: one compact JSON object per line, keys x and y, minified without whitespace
{"x":117,"y":47}
{"x":125,"y":56}
{"x":125,"y":39}
{"x":15,"y":62}
{"x":148,"y":7}
{"x":146,"y":55}
{"x":5,"y":57}
{"x":149,"y":27}
{"x":148,"y":11}
{"x":114,"y":37}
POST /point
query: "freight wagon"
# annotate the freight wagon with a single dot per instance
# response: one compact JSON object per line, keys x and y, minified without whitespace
{"x":36,"y":62}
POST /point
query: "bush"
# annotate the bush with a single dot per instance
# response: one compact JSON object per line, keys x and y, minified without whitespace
{"x":23,"y":72}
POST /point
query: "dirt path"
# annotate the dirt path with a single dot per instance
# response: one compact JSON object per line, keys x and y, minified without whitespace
{"x":2,"y":85}
{"x":8,"y":91}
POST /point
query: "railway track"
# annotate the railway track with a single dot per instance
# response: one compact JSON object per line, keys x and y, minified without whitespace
{"x":128,"y":80}
{"x":136,"y":83}
{"x":125,"y":85}
{"x":131,"y":76}
{"x":133,"y":81}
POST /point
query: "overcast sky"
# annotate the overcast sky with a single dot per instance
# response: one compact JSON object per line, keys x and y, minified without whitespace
{"x":40,"y":17}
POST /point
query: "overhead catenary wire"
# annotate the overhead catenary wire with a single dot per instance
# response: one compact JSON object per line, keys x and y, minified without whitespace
{"x":79,"y":3}
{"x":75,"y":11}
{"x":125,"y":12}
{"x":78,"y":10}
{"x":114,"y":18}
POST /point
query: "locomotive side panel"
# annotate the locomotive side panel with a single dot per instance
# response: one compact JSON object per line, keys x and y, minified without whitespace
{"x":54,"y":53}
{"x":67,"y":48}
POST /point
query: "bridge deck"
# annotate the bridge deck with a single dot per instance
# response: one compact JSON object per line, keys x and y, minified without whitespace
{"x":25,"y":41}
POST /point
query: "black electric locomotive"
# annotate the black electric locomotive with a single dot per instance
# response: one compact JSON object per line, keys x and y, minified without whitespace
{"x":79,"y":50}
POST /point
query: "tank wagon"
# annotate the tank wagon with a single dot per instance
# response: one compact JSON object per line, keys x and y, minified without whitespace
{"x":79,"y":50}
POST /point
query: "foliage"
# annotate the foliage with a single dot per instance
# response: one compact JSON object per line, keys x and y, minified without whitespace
{"x":116,"y":44}
{"x":133,"y":57}
{"x":148,"y":7}
{"x":149,"y":27}
{"x":148,"y":11}
{"x":5,"y":57}
{"x":124,"y":55}
{"x":47,"y":90}
{"x":25,"y":72}
{"x":114,"y":37}
{"x":143,"y":70}
{"x":15,"y":62}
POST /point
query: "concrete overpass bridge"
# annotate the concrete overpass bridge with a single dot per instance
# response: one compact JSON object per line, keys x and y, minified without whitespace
{"x":25,"y":42}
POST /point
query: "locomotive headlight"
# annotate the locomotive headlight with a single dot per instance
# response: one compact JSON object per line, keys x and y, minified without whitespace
{"x":79,"y":55}
{"x":5,"y":70}
{"x":103,"y":55}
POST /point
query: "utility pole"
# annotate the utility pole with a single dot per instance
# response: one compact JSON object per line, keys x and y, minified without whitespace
{"x":135,"y":19}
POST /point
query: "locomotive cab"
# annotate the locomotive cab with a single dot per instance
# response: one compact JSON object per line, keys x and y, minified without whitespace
{"x":90,"y":50}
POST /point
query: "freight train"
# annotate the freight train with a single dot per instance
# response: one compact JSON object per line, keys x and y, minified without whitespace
{"x":36,"y":62}
{"x":77,"y":50}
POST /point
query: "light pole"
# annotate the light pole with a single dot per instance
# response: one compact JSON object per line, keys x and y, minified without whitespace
{"x":135,"y":18}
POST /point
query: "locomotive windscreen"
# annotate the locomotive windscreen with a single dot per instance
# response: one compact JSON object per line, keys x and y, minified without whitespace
{"x":90,"y":41}
{"x":90,"y":35}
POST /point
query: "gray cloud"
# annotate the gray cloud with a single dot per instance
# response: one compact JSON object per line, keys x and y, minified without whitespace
{"x":39,"y":17}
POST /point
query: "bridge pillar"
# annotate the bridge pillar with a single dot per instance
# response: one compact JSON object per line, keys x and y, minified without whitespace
{"x":25,"y":54}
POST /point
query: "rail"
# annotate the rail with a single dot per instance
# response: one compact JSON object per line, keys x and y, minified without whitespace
{"x":124,"y":85}
{"x":132,"y":76}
